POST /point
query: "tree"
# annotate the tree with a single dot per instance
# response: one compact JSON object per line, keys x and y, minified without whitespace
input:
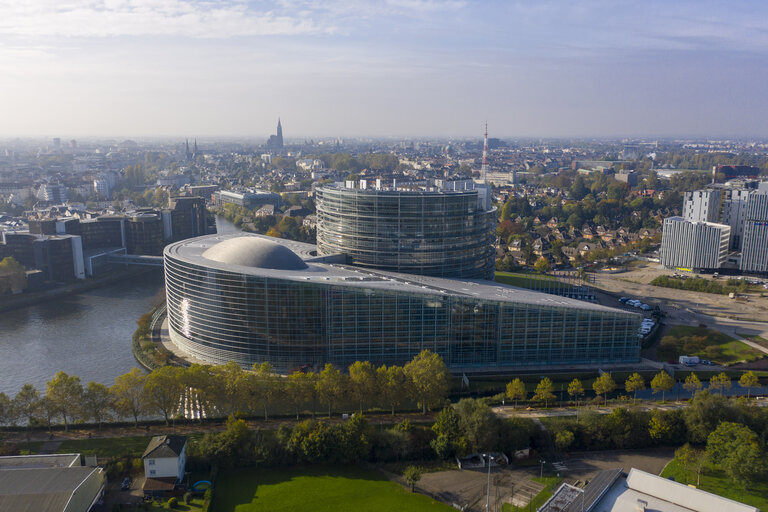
{"x":603,"y":385}
{"x":429,"y":379}
{"x":663,"y":382}
{"x":705,"y":412}
{"x":692,"y":384}
{"x":97,"y":402}
{"x":330,"y":386}
{"x":564,"y":439}
{"x":720,"y":382}
{"x":544,"y":391}
{"x":12,"y":275}
{"x":692,"y":460}
{"x":229,"y":387}
{"x":576,"y":390}
{"x":447,"y":424}
{"x":65,"y":394}
{"x":516,"y":391}
{"x":542,"y":265}
{"x":412,"y":475}
{"x":479,"y":425}
{"x":6,"y":411}
{"x":164,"y":388}
{"x":633,"y":384}
{"x":578,"y":189}
{"x":27,"y":404}
{"x":736,"y":449}
{"x":749,"y":380}
{"x":362,"y":382}
{"x":268,"y":386}
{"x":393,"y":385}
{"x":300,"y":389}
{"x":128,"y":391}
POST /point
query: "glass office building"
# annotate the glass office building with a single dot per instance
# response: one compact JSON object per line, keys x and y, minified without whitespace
{"x":412,"y":228}
{"x":250,"y":298}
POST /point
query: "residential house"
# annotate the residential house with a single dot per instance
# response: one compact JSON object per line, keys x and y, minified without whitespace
{"x":165,"y":461}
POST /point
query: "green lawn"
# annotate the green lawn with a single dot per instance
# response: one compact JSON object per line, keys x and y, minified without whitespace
{"x":315,"y":488}
{"x":732,"y":349}
{"x":717,"y":482}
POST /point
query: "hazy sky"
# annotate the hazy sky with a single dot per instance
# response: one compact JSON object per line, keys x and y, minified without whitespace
{"x":390,"y":67}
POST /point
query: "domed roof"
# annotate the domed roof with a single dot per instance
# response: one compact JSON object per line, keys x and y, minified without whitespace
{"x":252,"y":251}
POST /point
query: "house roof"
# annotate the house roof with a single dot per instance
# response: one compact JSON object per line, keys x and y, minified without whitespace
{"x":165,"y":446}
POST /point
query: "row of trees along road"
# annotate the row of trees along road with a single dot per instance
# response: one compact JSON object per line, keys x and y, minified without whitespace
{"x":228,"y":389}
{"x":662,"y":382}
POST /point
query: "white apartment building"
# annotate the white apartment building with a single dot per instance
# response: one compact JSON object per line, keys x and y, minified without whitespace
{"x":701,"y":206}
{"x":693,"y":245}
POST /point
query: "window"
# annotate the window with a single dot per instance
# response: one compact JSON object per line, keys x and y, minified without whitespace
{"x":152,"y":472}
{"x":151,"y":462}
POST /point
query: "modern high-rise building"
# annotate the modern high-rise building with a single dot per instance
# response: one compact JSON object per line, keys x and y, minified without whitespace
{"x":441,"y":228}
{"x":733,"y":211}
{"x":701,"y":205}
{"x":251,"y":298}
{"x":724,"y":205}
{"x":693,"y":245}
{"x":754,"y":255}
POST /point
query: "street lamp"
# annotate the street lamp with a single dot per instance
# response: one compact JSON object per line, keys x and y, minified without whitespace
{"x":487,"y":457}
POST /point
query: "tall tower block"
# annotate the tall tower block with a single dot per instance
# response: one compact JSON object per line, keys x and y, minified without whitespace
{"x":484,"y":167}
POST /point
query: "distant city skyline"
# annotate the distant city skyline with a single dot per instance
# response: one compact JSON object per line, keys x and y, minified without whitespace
{"x":388,"y":68}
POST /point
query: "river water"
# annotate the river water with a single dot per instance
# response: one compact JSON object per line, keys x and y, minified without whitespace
{"x":88,"y":334}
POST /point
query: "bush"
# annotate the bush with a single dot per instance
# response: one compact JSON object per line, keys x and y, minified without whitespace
{"x":187,"y":498}
{"x":173,"y":502}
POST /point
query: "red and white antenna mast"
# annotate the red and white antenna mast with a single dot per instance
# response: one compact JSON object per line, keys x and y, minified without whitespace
{"x":484,"y":167}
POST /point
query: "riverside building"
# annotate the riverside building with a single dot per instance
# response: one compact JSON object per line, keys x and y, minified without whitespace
{"x":251,"y":298}
{"x":437,"y":228}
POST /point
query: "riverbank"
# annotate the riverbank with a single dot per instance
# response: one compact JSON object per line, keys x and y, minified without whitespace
{"x":22,"y":300}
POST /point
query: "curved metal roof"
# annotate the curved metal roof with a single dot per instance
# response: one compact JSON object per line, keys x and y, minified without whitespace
{"x":250,"y":251}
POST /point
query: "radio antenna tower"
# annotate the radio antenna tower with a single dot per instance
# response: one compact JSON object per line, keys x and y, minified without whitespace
{"x":484,"y":167}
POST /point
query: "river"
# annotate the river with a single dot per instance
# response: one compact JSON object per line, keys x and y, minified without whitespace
{"x":88,"y":334}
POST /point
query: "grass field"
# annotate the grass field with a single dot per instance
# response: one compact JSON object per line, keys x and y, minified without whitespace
{"x":732,"y":349}
{"x":318,"y":489}
{"x":717,"y":482}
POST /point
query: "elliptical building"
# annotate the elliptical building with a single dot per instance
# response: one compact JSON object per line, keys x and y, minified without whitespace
{"x":441,"y":228}
{"x":251,"y":298}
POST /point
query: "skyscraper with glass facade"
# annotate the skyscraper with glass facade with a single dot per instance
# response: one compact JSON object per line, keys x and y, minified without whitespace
{"x":251,"y":298}
{"x":441,"y":229}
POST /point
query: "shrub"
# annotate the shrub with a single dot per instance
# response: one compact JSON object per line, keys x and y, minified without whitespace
{"x":173,"y":502}
{"x":187,"y":498}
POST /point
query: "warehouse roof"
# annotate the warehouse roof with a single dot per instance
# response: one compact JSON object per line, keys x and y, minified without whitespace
{"x":33,"y":490}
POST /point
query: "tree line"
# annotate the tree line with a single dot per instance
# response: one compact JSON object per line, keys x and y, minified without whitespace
{"x":727,"y":434}
{"x":201,"y":391}
{"x":469,"y":427}
{"x":662,"y":382}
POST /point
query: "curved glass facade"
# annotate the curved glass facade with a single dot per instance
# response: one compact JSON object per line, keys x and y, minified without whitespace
{"x":217,"y":315}
{"x":441,"y":234}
